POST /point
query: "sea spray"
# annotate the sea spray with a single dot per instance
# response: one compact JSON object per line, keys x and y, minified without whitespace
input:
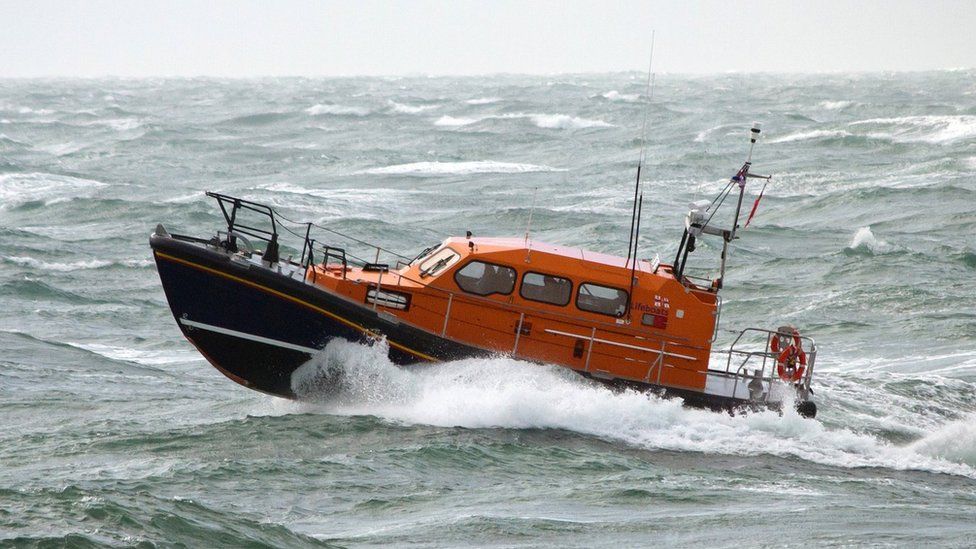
{"x":353,"y":379}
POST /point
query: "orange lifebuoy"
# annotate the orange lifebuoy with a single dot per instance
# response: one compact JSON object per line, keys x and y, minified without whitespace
{"x":783,"y":333}
{"x":786,"y":363}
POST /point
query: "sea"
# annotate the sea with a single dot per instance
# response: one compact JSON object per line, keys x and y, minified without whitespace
{"x":115,"y":432}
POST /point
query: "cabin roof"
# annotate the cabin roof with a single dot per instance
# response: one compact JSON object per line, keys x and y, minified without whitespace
{"x":486,"y":245}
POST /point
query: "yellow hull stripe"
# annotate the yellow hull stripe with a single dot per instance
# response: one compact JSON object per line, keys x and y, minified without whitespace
{"x":293,"y":299}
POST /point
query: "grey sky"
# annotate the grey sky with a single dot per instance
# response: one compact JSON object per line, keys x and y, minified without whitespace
{"x":247,"y":38}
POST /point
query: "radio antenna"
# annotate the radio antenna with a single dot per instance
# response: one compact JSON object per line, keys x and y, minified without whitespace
{"x":528,"y":226}
{"x":640,"y":159}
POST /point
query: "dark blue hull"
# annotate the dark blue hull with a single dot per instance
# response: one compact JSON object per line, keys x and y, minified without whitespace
{"x":257,"y":326}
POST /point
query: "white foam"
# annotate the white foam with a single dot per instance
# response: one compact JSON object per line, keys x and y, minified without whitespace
{"x":352,"y":379}
{"x":458,"y":168}
{"x":52,"y":266}
{"x":541,"y":120}
{"x":28,"y":110}
{"x":410,"y":109}
{"x":922,"y":129}
{"x":19,"y":188}
{"x":566,"y":121}
{"x":835,"y":105}
{"x":614,"y":95}
{"x":451,"y":121}
{"x":814,"y":134}
{"x":955,"y":442}
{"x":864,"y":239}
{"x":118,"y":124}
{"x":704,"y":134}
{"x":339,"y":110}
{"x":483,"y":100}
{"x":139,"y":356}
{"x":89,"y":264}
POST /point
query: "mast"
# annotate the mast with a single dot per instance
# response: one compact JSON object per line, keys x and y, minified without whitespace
{"x":640,"y":158}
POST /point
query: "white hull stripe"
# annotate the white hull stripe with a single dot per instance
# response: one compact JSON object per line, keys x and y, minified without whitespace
{"x":608,"y":342}
{"x":249,"y":337}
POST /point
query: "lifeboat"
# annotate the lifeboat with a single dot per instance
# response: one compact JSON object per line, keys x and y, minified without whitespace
{"x":641,"y":324}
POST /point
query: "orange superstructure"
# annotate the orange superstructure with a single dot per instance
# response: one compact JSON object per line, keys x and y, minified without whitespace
{"x":546,"y":303}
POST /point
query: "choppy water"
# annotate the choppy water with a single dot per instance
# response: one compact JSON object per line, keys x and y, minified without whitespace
{"x":113,"y":431}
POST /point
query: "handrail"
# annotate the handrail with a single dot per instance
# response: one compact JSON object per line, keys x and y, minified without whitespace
{"x":767,"y":356}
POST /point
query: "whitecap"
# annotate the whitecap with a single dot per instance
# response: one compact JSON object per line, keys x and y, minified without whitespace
{"x":541,"y":120}
{"x":458,"y":168}
{"x":483,"y":100}
{"x":451,"y":121}
{"x":138,"y":356}
{"x":410,"y":109}
{"x":339,"y":110}
{"x":835,"y":105}
{"x":19,"y":188}
{"x":923,"y":129}
{"x":865,"y":240}
{"x":566,"y":121}
{"x":614,"y":95}
{"x":24,"y":261}
{"x":955,"y":441}
{"x":814,"y":134}
{"x":84,"y":265}
{"x":28,"y":110}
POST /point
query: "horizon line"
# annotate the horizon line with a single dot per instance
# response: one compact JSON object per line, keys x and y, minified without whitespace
{"x":257,"y":76}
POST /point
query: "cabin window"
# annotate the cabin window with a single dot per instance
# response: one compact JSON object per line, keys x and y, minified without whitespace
{"x":478,"y":277}
{"x":602,"y":299}
{"x":546,"y":288}
{"x":439,"y":261}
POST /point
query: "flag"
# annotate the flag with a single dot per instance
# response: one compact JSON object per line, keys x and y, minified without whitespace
{"x":755,"y":206}
{"x":740,"y":176}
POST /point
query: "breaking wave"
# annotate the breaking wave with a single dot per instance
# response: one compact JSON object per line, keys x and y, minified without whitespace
{"x":614,"y":95}
{"x":458,"y":168}
{"x":547,"y":121}
{"x":483,"y":101}
{"x":338,"y":110}
{"x":410,"y":109}
{"x":864,"y":241}
{"x":17,"y":189}
{"x":924,"y":129}
{"x":835,"y":105}
{"x":815,"y":134}
{"x":350,"y":379}
{"x":37,"y":264}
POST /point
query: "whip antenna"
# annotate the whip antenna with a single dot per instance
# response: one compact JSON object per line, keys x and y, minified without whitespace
{"x":640,"y":159}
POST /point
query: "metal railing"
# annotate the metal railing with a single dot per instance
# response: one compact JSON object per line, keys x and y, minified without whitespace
{"x":743,"y":350}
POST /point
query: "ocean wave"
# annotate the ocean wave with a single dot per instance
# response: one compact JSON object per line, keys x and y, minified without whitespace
{"x":541,"y":120}
{"x":614,"y":95}
{"x":338,"y":110}
{"x":814,"y":134}
{"x":452,"y":121}
{"x":458,"y":168}
{"x":921,"y":129}
{"x":17,"y":189}
{"x":955,"y":441}
{"x":85,"y":265}
{"x":835,"y":105}
{"x":352,"y":379}
{"x":483,"y":101}
{"x":865,"y":242}
{"x":705,"y":134}
{"x":144,"y":357}
{"x":410,"y":109}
